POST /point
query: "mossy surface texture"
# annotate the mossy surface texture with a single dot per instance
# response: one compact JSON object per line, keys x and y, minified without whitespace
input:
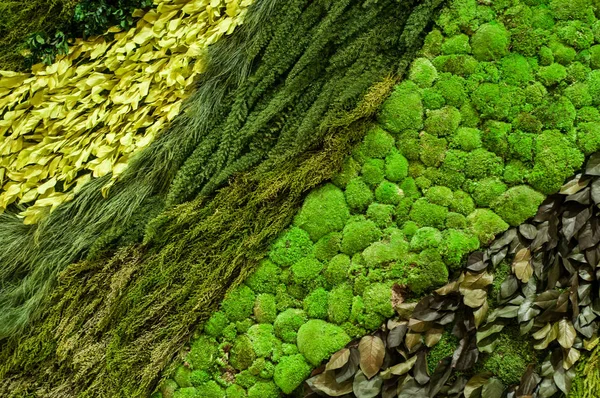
{"x":282,"y":102}
{"x":486,"y":125}
{"x":291,"y":198}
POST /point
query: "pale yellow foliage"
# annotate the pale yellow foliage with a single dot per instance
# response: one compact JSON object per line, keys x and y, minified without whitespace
{"x":85,"y":115}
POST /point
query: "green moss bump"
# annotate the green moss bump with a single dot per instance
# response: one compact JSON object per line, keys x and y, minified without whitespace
{"x":318,"y":339}
{"x":497,"y":111}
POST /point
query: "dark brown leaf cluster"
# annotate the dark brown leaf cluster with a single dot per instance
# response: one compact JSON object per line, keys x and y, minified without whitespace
{"x":551,"y":294}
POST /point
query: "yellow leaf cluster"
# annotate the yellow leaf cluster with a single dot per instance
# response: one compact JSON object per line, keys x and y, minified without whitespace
{"x":85,"y":115}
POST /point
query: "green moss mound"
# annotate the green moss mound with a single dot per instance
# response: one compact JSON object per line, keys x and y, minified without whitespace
{"x":481,"y":134}
{"x":324,"y":211}
{"x":474,"y":119}
{"x":317,"y":340}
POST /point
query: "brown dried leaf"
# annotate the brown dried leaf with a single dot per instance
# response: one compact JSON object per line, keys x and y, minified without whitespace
{"x":563,"y":378}
{"x":566,"y":333}
{"x":509,"y":287}
{"x":474,"y":298}
{"x":364,"y":387}
{"x":574,"y":185}
{"x":325,"y":383}
{"x":372,"y":353}
{"x":476,"y":262}
{"x":419,"y":326}
{"x":466,"y":354}
{"x":593,"y":165}
{"x":396,"y":335}
{"x":543,"y":332}
{"x":433,"y":336}
{"x":529,"y":382}
{"x":412,"y":341}
{"x":571,"y":356}
{"x":405,"y":310}
{"x":550,"y":337}
{"x":476,"y":280}
{"x":403,"y":367}
{"x":522,"y":265}
{"x":493,"y":389}
{"x":475,"y":383}
{"x":348,"y":371}
{"x":420,"y":372}
{"x":573,"y":220}
{"x":338,"y":359}
{"x":528,"y":231}
{"x":489,"y":330}
{"x":480,"y":314}
{"x":591,"y":343}
{"x":595,"y":191}
{"x":448,"y":288}
{"x":547,"y":299}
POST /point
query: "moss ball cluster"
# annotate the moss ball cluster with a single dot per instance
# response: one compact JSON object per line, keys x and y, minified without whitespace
{"x":497,"y":110}
{"x":511,"y":357}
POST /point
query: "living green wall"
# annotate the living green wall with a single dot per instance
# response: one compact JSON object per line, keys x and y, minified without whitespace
{"x":494,"y":116}
{"x":498,"y":109}
{"x":192,"y":253}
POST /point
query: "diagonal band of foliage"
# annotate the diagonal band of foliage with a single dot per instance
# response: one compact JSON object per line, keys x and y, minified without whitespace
{"x":471,"y":143}
{"x":363,"y":45}
{"x":152,"y":297}
{"x":35,"y":253}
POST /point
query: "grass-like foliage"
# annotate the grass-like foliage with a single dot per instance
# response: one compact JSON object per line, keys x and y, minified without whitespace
{"x":328,"y":79}
{"x":35,"y":253}
{"x":111,"y":326}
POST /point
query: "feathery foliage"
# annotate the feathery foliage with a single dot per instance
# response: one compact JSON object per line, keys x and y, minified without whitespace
{"x":321,"y":58}
{"x":121,"y":92}
{"x":587,"y":382}
{"x":121,"y":320}
{"x":118,"y":322}
{"x":309,"y":62}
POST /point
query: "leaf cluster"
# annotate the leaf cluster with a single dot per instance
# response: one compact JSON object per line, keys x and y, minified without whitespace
{"x":88,"y":18}
{"x":52,"y":149}
{"x":67,"y":149}
{"x":548,"y":309}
